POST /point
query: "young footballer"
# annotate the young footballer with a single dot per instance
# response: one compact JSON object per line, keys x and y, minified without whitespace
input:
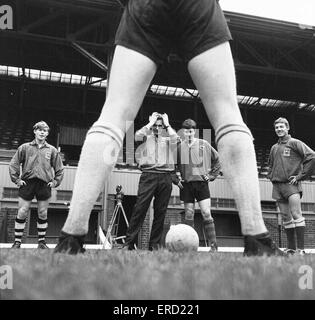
{"x":42,"y":169}
{"x":147,"y":32}
{"x":290,"y":162}
{"x":198,"y":163}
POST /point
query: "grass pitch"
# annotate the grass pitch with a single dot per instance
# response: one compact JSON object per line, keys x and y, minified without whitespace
{"x":161,"y":275}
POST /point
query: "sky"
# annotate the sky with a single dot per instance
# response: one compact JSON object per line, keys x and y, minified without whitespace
{"x":301,"y":11}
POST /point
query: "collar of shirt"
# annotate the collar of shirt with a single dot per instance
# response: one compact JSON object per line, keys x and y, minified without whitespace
{"x":285,"y":140}
{"x":157,"y":138}
{"x":190,"y":144}
{"x":34,"y":143}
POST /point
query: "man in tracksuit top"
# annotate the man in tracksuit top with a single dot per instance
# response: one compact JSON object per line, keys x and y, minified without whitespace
{"x":42,"y":169}
{"x":290,"y":162}
{"x":198,"y":163}
{"x":155,"y":158}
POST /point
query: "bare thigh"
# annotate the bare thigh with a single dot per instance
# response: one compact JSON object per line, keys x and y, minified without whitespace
{"x":42,"y":208}
{"x":130,"y":76}
{"x":285,"y":210}
{"x":24,"y":206}
{"x":295,"y":205}
{"x":205,"y":207}
{"x":214,"y":76}
{"x":189,"y":210}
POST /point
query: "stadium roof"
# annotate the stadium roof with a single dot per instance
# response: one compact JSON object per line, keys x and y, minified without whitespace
{"x":157,"y":90}
{"x":275,"y":60}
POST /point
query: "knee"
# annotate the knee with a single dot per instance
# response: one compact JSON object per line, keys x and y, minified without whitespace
{"x":22,"y":212}
{"x":296,"y":212}
{"x":299,"y":222}
{"x":206,"y":214}
{"x":288,"y":224}
{"x":189,"y":213}
{"x":104,"y":128}
{"x":286,"y":217}
{"x":227,"y":129}
{"x":42,"y":213}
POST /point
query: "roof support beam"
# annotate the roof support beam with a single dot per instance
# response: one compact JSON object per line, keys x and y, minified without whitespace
{"x":41,"y":21}
{"x":254,"y":53}
{"x":289,"y":58}
{"x":275,"y":71}
{"x":51,"y":39}
{"x":75,"y":35}
{"x":88,"y":55}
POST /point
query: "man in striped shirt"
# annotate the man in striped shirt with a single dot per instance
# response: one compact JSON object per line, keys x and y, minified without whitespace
{"x":198,"y":163}
{"x":42,"y":169}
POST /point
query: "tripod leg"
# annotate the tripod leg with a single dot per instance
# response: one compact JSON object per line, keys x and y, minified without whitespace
{"x":125,"y":217}
{"x":110,"y":226}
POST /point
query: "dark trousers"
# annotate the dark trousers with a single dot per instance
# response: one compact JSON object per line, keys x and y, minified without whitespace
{"x":159,"y":186}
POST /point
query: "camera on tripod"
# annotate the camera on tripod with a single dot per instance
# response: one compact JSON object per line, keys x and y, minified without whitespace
{"x":112,"y":231}
{"x":119,"y":194}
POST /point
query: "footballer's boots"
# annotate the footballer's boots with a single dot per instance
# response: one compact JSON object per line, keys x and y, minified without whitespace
{"x":300,"y":252}
{"x":42,"y":245}
{"x":290,"y":251}
{"x":70,"y":244}
{"x":16,"y":245}
{"x":213,"y":247}
{"x":127,"y":246}
{"x":261,"y":245}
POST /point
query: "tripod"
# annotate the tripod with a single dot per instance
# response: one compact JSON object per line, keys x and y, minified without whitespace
{"x":112,"y":231}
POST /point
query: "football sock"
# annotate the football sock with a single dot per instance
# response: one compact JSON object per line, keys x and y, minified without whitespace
{"x":189,"y":216}
{"x":300,"y":231}
{"x":189,"y":222}
{"x":19,"y":226}
{"x":42,"y":225}
{"x":289,"y":228}
{"x":98,"y":157}
{"x":209,"y":228}
{"x":290,"y":232}
{"x":238,"y":160}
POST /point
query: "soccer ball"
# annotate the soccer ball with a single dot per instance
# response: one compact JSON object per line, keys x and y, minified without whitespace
{"x":181,"y":238}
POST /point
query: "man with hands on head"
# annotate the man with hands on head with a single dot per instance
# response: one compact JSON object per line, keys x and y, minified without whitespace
{"x":290,"y":162}
{"x":155,"y":158}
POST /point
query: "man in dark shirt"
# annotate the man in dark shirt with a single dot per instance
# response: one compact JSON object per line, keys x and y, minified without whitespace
{"x":290,"y":162}
{"x":198,"y":164}
{"x":42,"y":169}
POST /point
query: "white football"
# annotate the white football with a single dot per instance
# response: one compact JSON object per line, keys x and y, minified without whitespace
{"x":181,"y":238}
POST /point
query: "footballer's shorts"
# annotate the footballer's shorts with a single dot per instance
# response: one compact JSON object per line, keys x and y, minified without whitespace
{"x":194,"y":190}
{"x":186,"y":27}
{"x":281,"y":191}
{"x":35,"y":188}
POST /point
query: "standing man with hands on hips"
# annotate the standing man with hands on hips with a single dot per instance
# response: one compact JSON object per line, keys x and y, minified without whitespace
{"x":290,"y":162}
{"x":42,"y":169}
{"x":198,"y":164}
